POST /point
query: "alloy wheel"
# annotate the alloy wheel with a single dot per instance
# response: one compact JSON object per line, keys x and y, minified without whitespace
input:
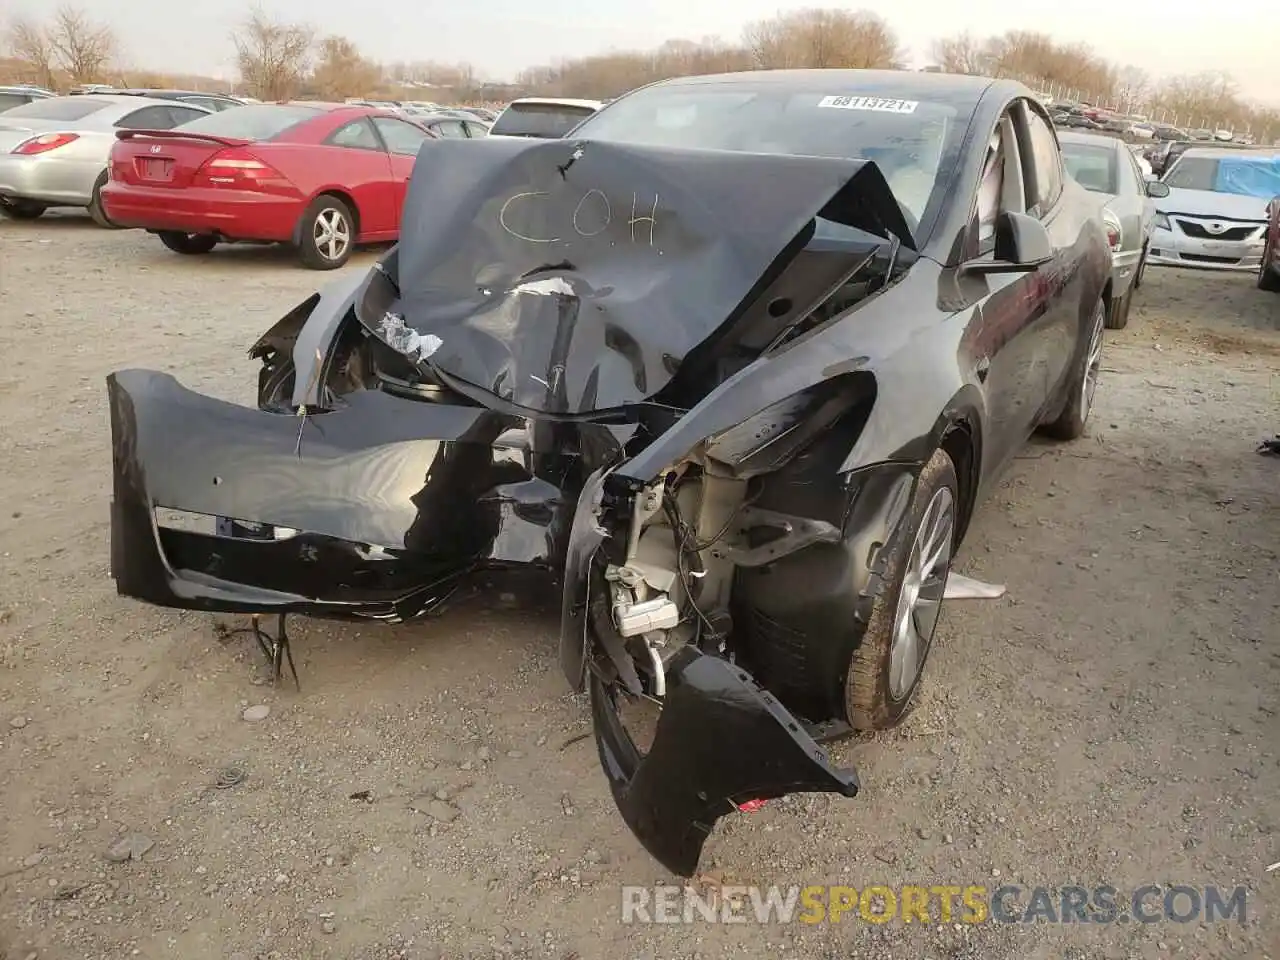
{"x":1093,"y":363}
{"x":332,"y":234}
{"x":920,"y":599}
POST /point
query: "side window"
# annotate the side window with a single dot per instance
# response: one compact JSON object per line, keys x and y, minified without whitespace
{"x":357,"y":134}
{"x":181,"y":115}
{"x":477,"y":130}
{"x":449,"y":128}
{"x":400,"y":137}
{"x":148,"y":118}
{"x":1046,"y":163}
{"x":989,"y":192}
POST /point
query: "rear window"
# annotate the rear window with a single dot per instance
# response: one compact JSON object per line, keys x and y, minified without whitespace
{"x":58,"y":108}
{"x":261,"y":121}
{"x":547,"y":120}
{"x":1093,"y":167}
{"x":8,"y":100}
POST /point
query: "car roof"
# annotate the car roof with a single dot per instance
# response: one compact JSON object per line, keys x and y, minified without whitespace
{"x":954,"y":89}
{"x":437,"y":117}
{"x":1226,"y":151}
{"x":1071,"y":136}
{"x":171,"y":91}
{"x":558,"y":102}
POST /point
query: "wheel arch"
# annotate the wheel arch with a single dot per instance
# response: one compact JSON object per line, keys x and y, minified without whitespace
{"x":338,"y":193}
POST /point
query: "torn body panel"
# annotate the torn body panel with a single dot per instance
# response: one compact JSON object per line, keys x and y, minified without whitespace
{"x":672,"y":796}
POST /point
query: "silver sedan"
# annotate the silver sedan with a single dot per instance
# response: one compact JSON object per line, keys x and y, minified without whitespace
{"x":54,"y":151}
{"x":1105,"y":166}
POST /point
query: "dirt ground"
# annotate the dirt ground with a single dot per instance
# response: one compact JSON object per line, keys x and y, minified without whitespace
{"x":1112,"y":720}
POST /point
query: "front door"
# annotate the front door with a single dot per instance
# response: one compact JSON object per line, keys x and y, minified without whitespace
{"x":403,"y":140}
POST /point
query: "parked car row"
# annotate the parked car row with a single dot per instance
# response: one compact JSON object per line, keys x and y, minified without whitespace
{"x":323,"y":177}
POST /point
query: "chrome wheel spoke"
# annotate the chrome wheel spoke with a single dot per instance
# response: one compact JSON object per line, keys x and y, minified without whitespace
{"x":920,"y":596}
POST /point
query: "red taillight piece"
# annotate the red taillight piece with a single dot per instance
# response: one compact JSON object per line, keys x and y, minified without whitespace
{"x":1113,"y":238}
{"x":44,"y":143}
{"x":751,"y":806}
{"x":237,"y":168}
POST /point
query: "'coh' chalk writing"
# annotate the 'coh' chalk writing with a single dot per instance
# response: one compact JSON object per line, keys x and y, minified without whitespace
{"x":592,"y":210}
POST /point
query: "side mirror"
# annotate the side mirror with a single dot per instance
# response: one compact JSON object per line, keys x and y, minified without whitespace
{"x":1022,"y":245}
{"x":1157,"y":189}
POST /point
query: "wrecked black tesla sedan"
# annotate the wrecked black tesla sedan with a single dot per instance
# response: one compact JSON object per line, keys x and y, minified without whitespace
{"x":734,"y":363}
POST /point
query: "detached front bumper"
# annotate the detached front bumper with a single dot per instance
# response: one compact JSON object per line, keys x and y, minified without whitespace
{"x":722,"y":742}
{"x":381,"y":506}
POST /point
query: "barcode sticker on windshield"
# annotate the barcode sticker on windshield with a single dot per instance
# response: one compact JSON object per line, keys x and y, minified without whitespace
{"x":877,"y":104}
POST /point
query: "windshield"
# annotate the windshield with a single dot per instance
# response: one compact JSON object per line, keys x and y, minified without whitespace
{"x":57,"y":108}
{"x":550,"y":121}
{"x":1093,"y":167}
{"x":1244,"y":176}
{"x":906,"y":139}
{"x":253,"y":122}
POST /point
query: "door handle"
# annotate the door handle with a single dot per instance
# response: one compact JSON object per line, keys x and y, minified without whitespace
{"x":984,"y":368}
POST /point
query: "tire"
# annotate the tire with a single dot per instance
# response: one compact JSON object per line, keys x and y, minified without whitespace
{"x":320,"y":243}
{"x":95,"y":206}
{"x":1141,"y":271}
{"x":1268,"y":279}
{"x":18,"y":209}
{"x":1084,"y":381}
{"x":189,"y":244}
{"x":1118,"y":315}
{"x":881,"y":683}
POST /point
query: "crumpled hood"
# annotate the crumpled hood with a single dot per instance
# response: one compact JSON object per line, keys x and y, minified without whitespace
{"x":1206,"y":203}
{"x":569,"y":276}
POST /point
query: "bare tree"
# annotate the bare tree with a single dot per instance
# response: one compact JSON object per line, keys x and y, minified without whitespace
{"x":81,"y":47}
{"x":1133,"y":88}
{"x":960,"y":54}
{"x":28,"y":43}
{"x":273,"y":57}
{"x":819,"y":37}
{"x":342,"y":72}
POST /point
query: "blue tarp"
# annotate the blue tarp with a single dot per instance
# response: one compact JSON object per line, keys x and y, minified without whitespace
{"x":1249,"y":176}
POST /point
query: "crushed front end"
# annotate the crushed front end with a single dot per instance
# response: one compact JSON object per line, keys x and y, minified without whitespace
{"x":612,"y":408}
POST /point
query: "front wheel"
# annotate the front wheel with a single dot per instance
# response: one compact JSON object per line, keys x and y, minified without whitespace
{"x":190,"y":244}
{"x":326,"y":234}
{"x":18,"y":209}
{"x":1268,"y":279}
{"x":1083,"y":384}
{"x":885,"y":671}
{"x":1142,"y":269}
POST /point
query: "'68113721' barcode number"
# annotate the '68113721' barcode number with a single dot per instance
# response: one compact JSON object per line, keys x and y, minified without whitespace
{"x":875,"y":104}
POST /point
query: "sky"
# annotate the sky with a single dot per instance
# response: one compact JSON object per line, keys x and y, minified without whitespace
{"x":500,"y":37}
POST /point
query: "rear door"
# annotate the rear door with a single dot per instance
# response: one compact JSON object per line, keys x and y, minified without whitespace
{"x":356,"y":160}
{"x":402,"y":140}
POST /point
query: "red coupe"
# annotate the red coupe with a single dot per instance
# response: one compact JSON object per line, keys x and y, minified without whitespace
{"x":323,"y":177}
